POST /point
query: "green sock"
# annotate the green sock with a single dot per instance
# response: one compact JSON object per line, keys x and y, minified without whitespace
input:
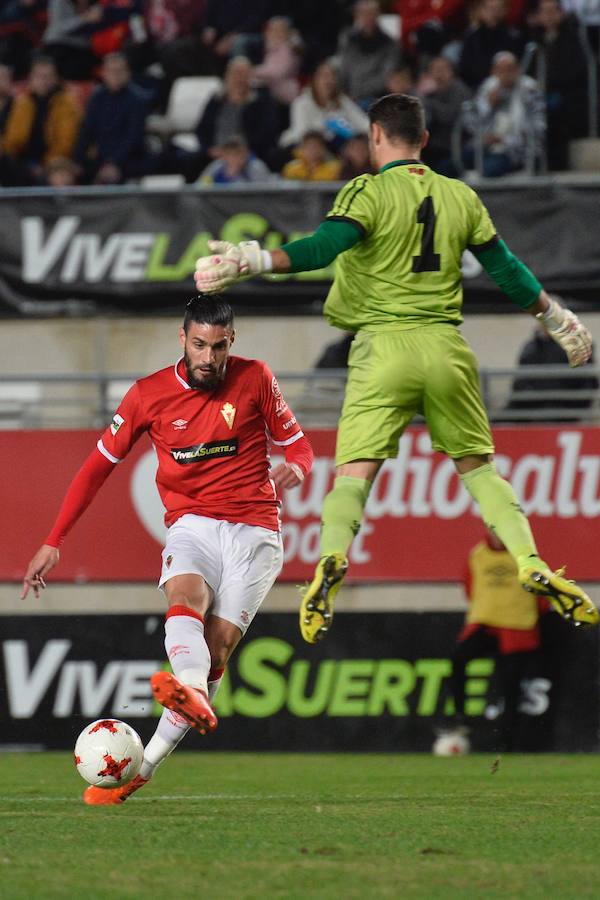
{"x":501,"y":512}
{"x":342,"y":513}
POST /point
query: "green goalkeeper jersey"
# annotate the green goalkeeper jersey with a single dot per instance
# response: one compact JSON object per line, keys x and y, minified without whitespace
{"x":406,"y":271}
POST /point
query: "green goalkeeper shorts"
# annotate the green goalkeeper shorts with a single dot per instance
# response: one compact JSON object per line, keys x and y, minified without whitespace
{"x":394,"y":375}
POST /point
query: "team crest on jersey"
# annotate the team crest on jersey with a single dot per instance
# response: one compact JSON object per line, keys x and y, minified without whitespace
{"x":116,"y":423}
{"x":179,"y":424}
{"x":228,"y":412}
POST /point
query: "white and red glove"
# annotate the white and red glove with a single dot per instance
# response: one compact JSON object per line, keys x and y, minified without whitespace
{"x":228,"y":264}
{"x":565,"y":328}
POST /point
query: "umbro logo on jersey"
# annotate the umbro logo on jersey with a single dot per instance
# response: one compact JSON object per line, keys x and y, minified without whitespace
{"x":210,"y":450}
{"x":228,"y":413}
{"x":179,"y":424}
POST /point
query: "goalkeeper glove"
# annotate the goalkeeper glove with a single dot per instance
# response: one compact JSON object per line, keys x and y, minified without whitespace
{"x":230,"y":263}
{"x":565,"y":328}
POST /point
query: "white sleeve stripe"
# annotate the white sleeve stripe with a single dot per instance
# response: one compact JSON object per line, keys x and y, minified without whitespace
{"x":291,"y":440}
{"x":105,"y":452}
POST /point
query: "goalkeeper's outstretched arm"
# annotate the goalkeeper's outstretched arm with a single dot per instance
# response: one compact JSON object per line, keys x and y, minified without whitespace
{"x":231,"y":262}
{"x":523,"y":288}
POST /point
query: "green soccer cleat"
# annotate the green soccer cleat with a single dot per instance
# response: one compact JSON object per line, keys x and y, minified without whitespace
{"x":316,"y":609}
{"x":567,"y":598}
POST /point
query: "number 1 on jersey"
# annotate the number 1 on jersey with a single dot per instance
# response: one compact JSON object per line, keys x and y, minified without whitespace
{"x":427,"y":260}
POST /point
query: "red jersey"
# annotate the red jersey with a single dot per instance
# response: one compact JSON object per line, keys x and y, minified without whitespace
{"x":212,"y":446}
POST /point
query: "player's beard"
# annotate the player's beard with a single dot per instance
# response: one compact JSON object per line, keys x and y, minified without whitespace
{"x":203,"y":378}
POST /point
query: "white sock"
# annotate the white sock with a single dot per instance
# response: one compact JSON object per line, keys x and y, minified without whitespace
{"x":215,"y":677}
{"x":186,"y":647}
{"x":171,"y":729}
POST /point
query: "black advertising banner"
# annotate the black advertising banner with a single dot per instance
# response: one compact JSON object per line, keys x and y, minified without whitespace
{"x":122,"y":248}
{"x":379,"y":682}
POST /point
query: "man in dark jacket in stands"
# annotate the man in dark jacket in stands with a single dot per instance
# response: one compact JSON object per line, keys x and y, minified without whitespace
{"x":239,"y":110}
{"x":540,"y":351}
{"x":490,"y":35}
{"x":110,"y":148}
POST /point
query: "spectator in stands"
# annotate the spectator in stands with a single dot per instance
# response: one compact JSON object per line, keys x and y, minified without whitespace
{"x":239,"y":110}
{"x":367,"y":55}
{"x":278,"y":70}
{"x":6,"y":99}
{"x":510,"y":113}
{"x":110,"y":148}
{"x":22,"y":24}
{"x":539,"y":352}
{"x":356,"y":159}
{"x":484,"y":40}
{"x":561,"y":50}
{"x":323,"y":107}
{"x":61,"y":173}
{"x":234,"y":29}
{"x":235,"y":165}
{"x":428,"y":25}
{"x":400,"y":81}
{"x":175,"y":29}
{"x":313,"y":161}
{"x":443,"y":107}
{"x":502,"y":621}
{"x":335,"y":355}
{"x":318,"y":24}
{"x":67,"y":39}
{"x":42,"y":125}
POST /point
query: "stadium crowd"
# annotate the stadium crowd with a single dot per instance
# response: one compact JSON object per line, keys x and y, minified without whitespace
{"x":505,"y":85}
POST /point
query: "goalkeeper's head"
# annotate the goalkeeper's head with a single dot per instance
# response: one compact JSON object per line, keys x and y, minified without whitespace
{"x":397,"y":129}
{"x":206,"y":336}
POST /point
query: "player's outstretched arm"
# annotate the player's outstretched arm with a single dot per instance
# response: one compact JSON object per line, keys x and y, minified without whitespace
{"x":234,"y":262}
{"x":80,"y":494}
{"x":42,"y":563}
{"x":523,"y":288}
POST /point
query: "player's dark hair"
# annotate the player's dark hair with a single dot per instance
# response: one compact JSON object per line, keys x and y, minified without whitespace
{"x":208,"y":309}
{"x":401,"y":117}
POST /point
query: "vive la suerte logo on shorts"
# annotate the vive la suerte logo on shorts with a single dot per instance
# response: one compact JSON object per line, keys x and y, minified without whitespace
{"x":208,"y":450}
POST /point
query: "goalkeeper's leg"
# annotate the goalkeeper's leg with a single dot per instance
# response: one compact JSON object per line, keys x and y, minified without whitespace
{"x":502,"y":513}
{"x":342,"y":514}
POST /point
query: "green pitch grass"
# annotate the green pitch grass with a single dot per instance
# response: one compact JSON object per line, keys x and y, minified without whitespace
{"x":266,"y":826}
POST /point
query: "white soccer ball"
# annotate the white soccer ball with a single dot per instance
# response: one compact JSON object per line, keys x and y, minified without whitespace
{"x":451,"y":743}
{"x":108,"y":753}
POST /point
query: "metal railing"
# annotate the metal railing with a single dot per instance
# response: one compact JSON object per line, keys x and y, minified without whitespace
{"x":89,"y":400}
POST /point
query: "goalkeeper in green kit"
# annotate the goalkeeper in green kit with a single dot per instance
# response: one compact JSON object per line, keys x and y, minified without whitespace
{"x":398,"y":237}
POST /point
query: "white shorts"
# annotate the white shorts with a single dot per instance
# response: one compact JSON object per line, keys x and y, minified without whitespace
{"x":238,"y":562}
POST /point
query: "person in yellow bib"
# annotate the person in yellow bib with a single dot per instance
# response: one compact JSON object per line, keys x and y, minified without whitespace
{"x":502,"y":621}
{"x":398,"y":238}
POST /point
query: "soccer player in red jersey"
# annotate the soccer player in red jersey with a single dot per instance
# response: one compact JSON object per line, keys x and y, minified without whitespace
{"x":211,"y":418}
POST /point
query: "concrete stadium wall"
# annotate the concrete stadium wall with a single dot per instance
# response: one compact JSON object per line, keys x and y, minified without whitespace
{"x":139,"y":345}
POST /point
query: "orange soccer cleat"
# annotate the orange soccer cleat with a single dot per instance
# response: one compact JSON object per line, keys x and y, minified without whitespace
{"x":189,"y":702}
{"x":95,"y":796}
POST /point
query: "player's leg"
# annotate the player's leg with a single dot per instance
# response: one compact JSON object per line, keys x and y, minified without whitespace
{"x":186,"y":690}
{"x":459,"y":427}
{"x":382,"y":396}
{"x":222,"y":638}
{"x":502,"y":513}
{"x":253,"y":558}
{"x":341,"y":517}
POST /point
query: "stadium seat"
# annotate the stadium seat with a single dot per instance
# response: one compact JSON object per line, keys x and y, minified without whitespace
{"x":161,"y":182}
{"x":19,"y":404}
{"x":186,"y":104}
